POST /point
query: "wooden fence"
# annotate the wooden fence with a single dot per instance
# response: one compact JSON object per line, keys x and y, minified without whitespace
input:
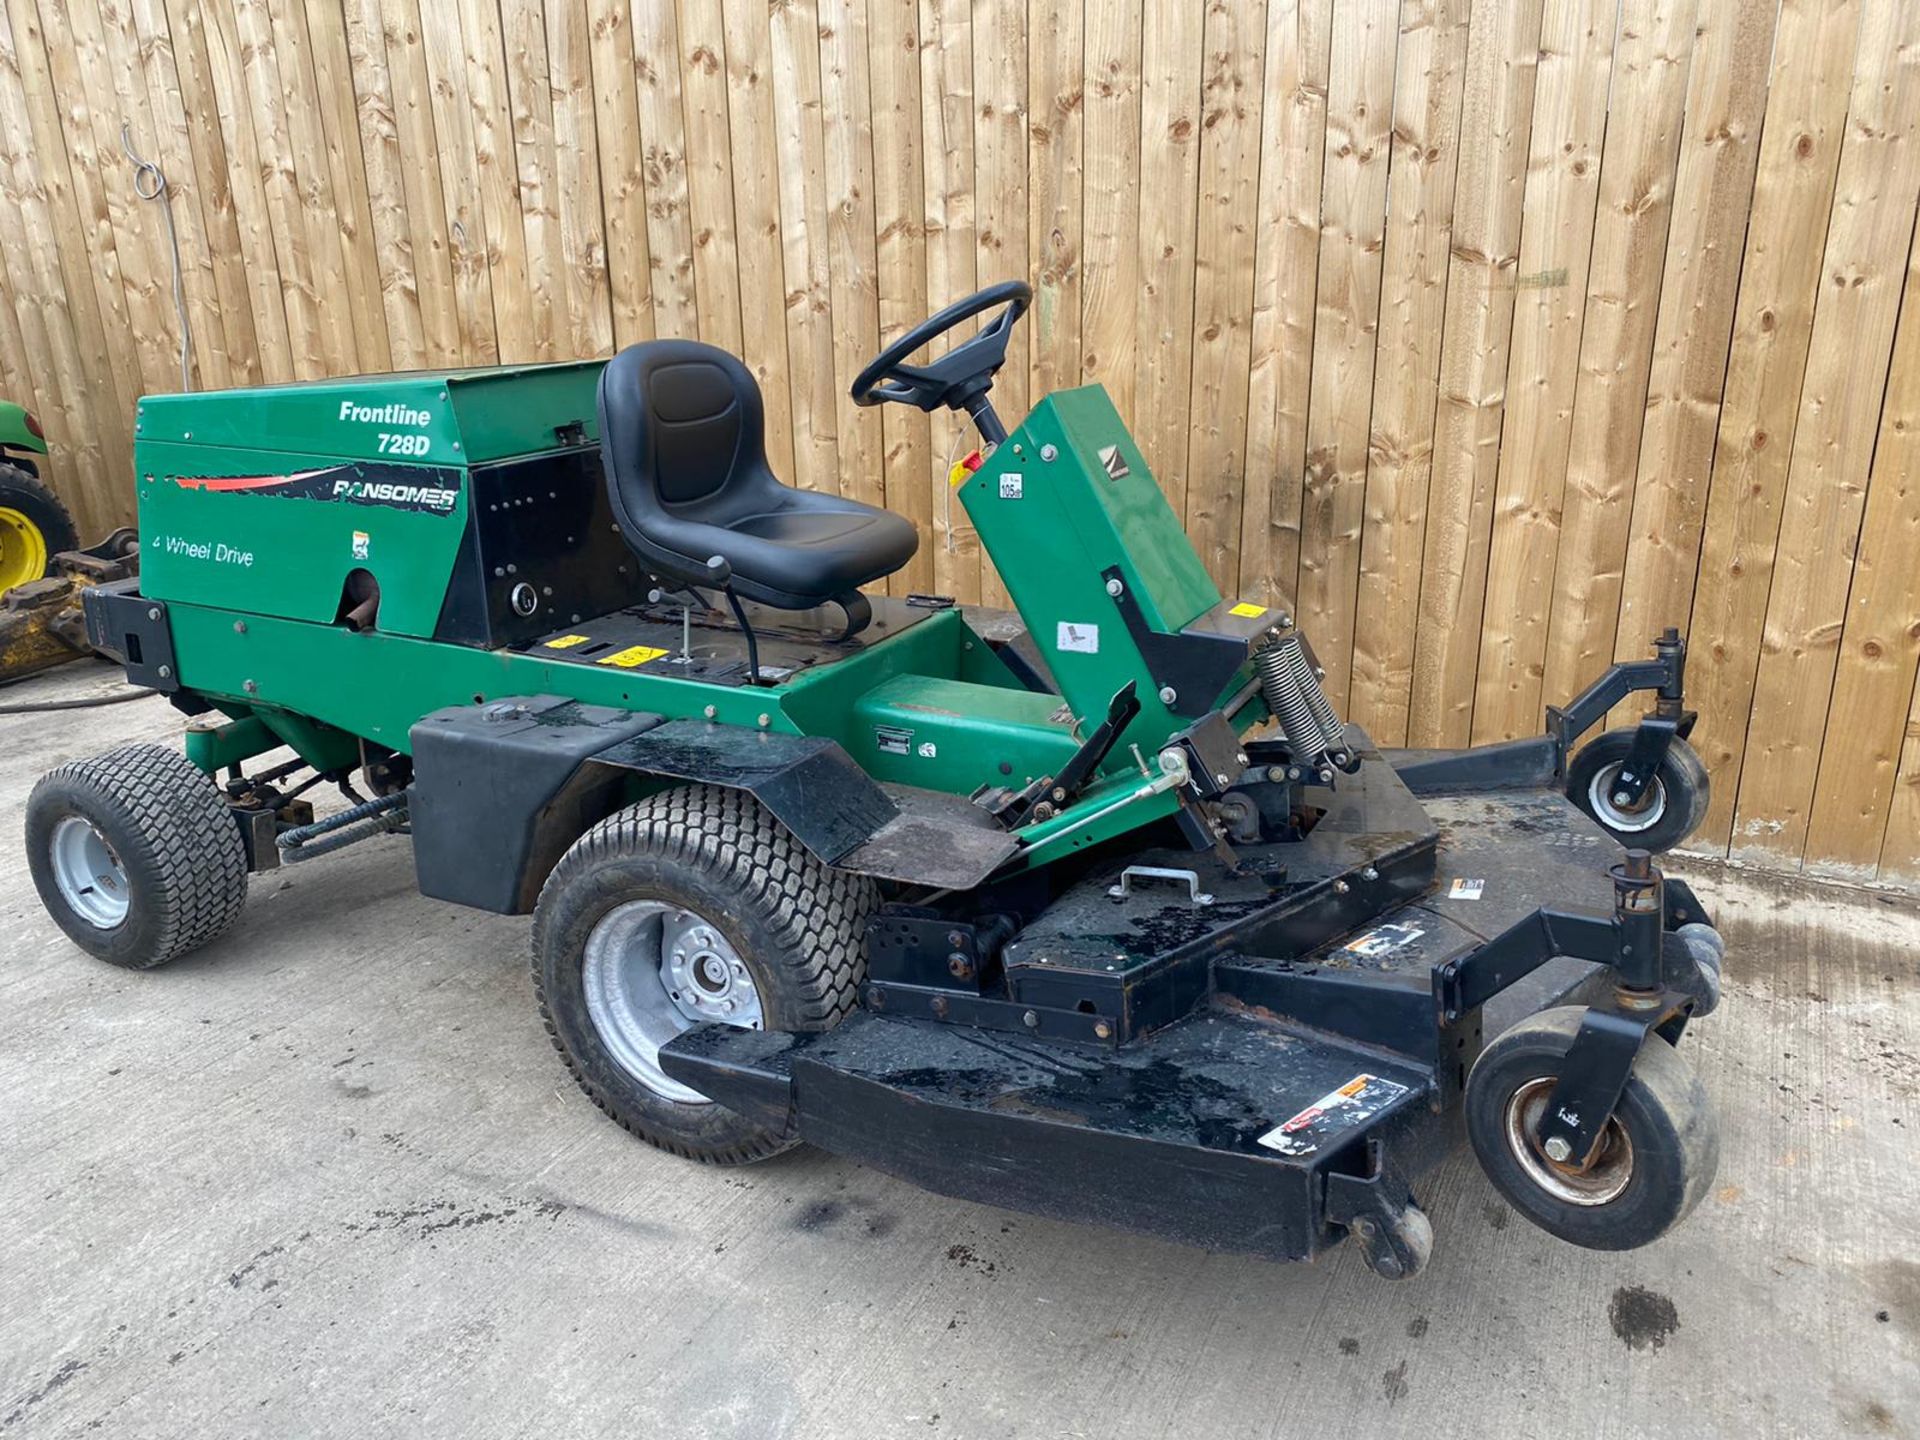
{"x":1491,"y":335}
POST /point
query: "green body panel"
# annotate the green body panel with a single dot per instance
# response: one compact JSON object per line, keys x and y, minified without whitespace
{"x":252,"y":571}
{"x":445,"y":417}
{"x":952,"y":735}
{"x":267,"y":552}
{"x":14,"y":431}
{"x":1054,"y":525}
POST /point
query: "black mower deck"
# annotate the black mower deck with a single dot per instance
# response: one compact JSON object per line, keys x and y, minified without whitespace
{"x":1233,"y":1127}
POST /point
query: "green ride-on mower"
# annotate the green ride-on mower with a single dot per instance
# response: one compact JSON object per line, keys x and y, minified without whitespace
{"x":1109,"y":918}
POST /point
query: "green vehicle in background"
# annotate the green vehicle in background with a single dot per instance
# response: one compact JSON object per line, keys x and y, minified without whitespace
{"x":34,"y":525}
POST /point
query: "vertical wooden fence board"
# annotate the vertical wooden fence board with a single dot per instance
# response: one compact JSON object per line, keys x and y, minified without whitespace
{"x":1651,"y":63}
{"x":254,"y":211}
{"x":583,"y":246}
{"x":1503,"y":51}
{"x":1172,"y":56}
{"x":1056,"y":89}
{"x":710,"y":189}
{"x":756,"y":222}
{"x":1900,"y":851}
{"x":946,"y":81}
{"x":136,"y":357}
{"x":1000,"y":201}
{"x":663,"y":133}
{"x":232,"y":306}
{"x":1353,"y":210}
{"x":847,"y":105}
{"x":518,"y":272}
{"x":1421,"y":182}
{"x":1773,"y":321}
{"x":1227,"y":216}
{"x":803,"y":231}
{"x":1719,"y":148}
{"x":350,"y":318}
{"x":900,"y":260}
{"x":404,"y":169}
{"x":1286,"y":266}
{"x":385,"y":185}
{"x":1873,"y":682}
{"x":526,"y":88}
{"x":154,"y":58}
{"x":1556,"y":239}
{"x":623,"y":185}
{"x":366,"y":280}
{"x":1875,"y":196}
{"x":1109,"y":251}
{"x":461,"y":180}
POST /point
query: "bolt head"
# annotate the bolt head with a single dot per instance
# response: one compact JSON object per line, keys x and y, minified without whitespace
{"x":1114,"y":588}
{"x":1168,"y":695}
{"x":1030,"y":1020}
{"x":1558,"y":1150}
{"x":1048,"y":452}
{"x":1620,"y":797}
{"x":765,"y":720}
{"x":252,"y":687}
{"x":711,"y":711}
{"x":1102,"y":1030}
{"x":166,"y":672}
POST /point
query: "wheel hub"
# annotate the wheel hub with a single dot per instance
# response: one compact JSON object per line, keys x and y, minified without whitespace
{"x":652,"y":970}
{"x":88,"y":874}
{"x":23,"y":549}
{"x":1602,"y":1181}
{"x":1619,"y":815}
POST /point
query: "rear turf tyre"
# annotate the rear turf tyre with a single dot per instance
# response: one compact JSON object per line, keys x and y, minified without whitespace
{"x":1657,"y":1158}
{"x":1669,"y":811}
{"x":136,"y":855}
{"x":693,"y":906}
{"x":34,"y":527}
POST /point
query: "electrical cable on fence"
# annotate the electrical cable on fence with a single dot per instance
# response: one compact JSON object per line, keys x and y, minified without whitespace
{"x":150,"y":183}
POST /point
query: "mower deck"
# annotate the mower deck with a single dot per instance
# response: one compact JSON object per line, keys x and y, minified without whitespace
{"x":1222,"y":1124}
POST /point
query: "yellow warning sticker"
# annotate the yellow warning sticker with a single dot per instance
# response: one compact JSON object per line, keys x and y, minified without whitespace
{"x":633,"y":655}
{"x":566,"y":642}
{"x":1248,"y":612}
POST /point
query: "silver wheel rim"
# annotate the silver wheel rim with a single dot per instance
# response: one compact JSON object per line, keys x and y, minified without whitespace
{"x":1628,"y":820}
{"x":89,"y":876}
{"x":1599,"y":1184}
{"x":653,"y":970}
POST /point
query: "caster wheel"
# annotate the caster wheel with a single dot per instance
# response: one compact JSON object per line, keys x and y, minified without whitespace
{"x":1671,"y":808}
{"x":1654,"y":1163}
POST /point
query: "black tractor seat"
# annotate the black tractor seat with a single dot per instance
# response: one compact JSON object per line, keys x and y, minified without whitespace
{"x":682,"y":431}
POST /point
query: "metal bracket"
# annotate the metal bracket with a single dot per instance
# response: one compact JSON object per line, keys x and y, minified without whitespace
{"x":1393,"y":1233}
{"x":1592,"y":1079}
{"x":1123,"y":888}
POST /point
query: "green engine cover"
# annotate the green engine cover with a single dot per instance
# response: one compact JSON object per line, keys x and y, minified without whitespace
{"x":264,"y":500}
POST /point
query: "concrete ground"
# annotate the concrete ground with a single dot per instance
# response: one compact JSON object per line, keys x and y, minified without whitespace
{"x":327,"y":1177}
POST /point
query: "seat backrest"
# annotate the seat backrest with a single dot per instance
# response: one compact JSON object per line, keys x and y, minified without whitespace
{"x":682,"y":435}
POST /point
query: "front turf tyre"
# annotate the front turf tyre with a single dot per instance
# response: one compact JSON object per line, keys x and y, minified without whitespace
{"x":1656,"y":1159}
{"x":136,"y":855}
{"x":694,"y":906}
{"x":1670,"y":809}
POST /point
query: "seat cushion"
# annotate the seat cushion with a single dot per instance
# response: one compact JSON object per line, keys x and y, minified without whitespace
{"x":802,"y":554}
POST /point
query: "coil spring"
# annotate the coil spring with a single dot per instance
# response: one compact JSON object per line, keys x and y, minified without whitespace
{"x":1292,"y":692}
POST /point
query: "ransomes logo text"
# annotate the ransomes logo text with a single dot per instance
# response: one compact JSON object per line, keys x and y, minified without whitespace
{"x":384,"y":492}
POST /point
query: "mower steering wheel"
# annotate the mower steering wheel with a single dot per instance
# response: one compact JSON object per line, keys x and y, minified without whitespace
{"x":959,"y":379}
